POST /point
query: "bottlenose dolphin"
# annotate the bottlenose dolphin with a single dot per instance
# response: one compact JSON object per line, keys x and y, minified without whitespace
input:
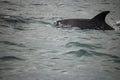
{"x":97,"y":22}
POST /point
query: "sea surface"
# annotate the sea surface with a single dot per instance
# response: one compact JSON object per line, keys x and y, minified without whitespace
{"x":32,"y":48}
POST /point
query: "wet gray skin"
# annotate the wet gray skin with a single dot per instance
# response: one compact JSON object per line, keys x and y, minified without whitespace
{"x":97,"y":22}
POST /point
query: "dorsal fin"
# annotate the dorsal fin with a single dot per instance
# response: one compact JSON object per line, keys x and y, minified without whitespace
{"x":101,"y":16}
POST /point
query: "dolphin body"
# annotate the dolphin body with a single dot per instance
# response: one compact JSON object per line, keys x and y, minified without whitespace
{"x":97,"y":22}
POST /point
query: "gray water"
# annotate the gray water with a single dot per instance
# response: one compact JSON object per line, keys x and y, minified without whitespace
{"x":31,"y":48}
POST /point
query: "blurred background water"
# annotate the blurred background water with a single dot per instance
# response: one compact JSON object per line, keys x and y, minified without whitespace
{"x":31,"y":48}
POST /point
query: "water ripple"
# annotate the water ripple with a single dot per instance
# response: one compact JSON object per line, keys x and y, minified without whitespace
{"x":12,"y":43}
{"x":1,"y":33}
{"x":11,"y":9}
{"x":19,"y":28}
{"x":80,"y":53}
{"x":42,"y":4}
{"x":7,"y":2}
{"x":83,"y":52}
{"x":77,"y":44}
{"x":9,"y":58}
{"x":15,"y":19}
{"x":4,"y":25}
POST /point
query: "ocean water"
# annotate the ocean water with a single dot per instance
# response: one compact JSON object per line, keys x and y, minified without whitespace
{"x":31,"y":48}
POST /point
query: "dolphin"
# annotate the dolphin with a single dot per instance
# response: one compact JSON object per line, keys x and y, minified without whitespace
{"x":98,"y":22}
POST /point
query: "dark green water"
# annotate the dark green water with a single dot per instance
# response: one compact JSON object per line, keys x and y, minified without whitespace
{"x":31,"y":48}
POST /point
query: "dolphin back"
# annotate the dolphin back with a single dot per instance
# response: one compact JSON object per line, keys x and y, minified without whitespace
{"x":101,"y":16}
{"x":100,"y":19}
{"x":97,"y":22}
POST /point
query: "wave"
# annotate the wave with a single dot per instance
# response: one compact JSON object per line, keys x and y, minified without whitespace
{"x":4,"y":25}
{"x":12,"y":9}
{"x":19,"y":28}
{"x":88,"y":53}
{"x":1,"y":33}
{"x":77,"y":44}
{"x":7,"y":2}
{"x":12,"y":43}
{"x":42,"y":4}
{"x":15,"y":19}
{"x":80,"y":53}
{"x":9,"y":58}
{"x":20,"y":19}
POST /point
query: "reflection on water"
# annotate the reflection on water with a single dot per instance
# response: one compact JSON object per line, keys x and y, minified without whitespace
{"x":31,"y":48}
